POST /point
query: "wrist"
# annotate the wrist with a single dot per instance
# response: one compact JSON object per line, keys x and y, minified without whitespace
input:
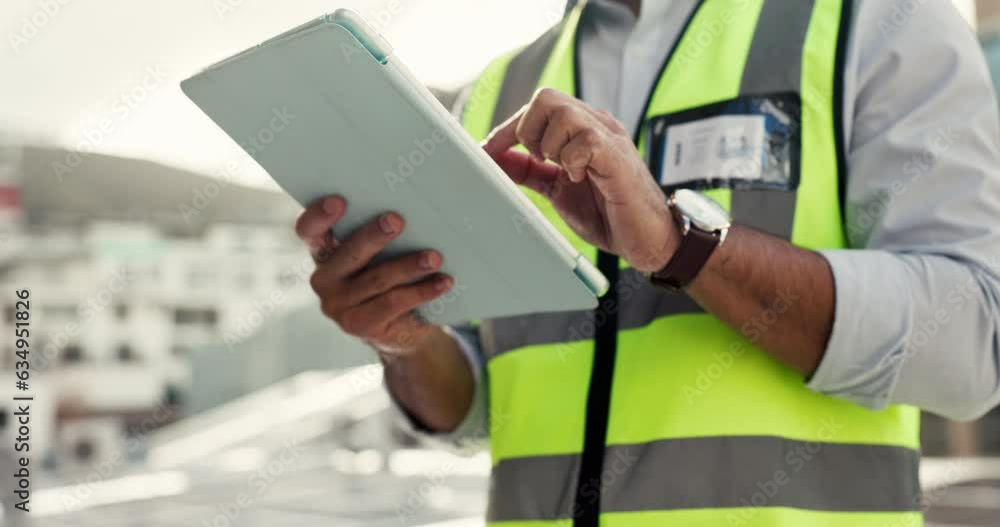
{"x":702,"y":225}
{"x":671,"y":242}
{"x":662,"y":244}
{"x":414,"y":341}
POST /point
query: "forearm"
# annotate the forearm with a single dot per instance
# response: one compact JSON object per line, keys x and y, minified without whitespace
{"x":779,"y":296}
{"x":434,"y":382}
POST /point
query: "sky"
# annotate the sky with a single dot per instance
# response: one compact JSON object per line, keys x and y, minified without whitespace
{"x":103,"y":75}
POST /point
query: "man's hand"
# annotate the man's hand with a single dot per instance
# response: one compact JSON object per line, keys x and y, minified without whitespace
{"x":374,"y":303}
{"x":424,"y":368}
{"x":600,"y":186}
{"x":596,"y":180}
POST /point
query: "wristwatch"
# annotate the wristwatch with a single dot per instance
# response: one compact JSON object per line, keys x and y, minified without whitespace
{"x":704,"y":225}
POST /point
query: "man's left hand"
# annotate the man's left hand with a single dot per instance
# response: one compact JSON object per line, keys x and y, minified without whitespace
{"x":584,"y":162}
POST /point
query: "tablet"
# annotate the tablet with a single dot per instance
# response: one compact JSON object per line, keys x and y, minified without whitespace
{"x":327,"y":108}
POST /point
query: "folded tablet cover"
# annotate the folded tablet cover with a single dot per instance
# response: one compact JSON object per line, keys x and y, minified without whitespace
{"x":322,"y":116}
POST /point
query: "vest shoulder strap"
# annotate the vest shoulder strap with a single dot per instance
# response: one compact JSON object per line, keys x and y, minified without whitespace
{"x":523,"y":73}
{"x":519,"y":78}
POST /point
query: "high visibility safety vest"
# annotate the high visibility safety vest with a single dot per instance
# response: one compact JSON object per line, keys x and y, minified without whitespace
{"x":648,"y":411}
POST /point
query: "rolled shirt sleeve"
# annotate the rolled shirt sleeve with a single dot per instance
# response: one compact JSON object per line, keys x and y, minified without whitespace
{"x":472,"y":434}
{"x":918,"y":296}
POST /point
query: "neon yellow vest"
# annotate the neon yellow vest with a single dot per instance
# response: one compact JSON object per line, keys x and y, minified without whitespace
{"x":702,"y":428}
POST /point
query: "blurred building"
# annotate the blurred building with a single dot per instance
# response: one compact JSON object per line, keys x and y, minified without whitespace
{"x":122,"y":293}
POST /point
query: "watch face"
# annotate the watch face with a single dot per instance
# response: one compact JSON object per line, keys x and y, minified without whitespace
{"x":703,"y":211}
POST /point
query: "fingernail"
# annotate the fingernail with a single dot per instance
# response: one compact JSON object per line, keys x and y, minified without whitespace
{"x":330,"y":206}
{"x":442,"y":283}
{"x":427,"y":261}
{"x":386,"y":224}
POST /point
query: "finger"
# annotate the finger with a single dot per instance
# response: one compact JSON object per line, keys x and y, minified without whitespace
{"x":504,"y":136}
{"x":528,"y":125}
{"x":525,"y":170}
{"x":581,"y":152}
{"x":373,"y":317}
{"x":341,"y":292}
{"x":383,"y":277}
{"x":561,"y":126}
{"x":317,"y":219}
{"x":315,"y":222}
{"x":324,"y":250}
{"x":363,"y":244}
{"x":545,"y":105}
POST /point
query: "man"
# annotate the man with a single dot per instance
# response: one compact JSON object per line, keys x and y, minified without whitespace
{"x":855,"y":146}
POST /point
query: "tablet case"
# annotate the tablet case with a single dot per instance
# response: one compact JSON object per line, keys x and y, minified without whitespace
{"x":325,"y":112}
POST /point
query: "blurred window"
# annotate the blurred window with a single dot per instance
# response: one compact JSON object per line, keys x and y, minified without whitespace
{"x":172,"y":396}
{"x":192,"y":317}
{"x":83,"y":450}
{"x":72,"y":354}
{"x":126,"y":354}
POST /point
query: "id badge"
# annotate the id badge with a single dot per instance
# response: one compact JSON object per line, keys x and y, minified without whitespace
{"x":746,"y":143}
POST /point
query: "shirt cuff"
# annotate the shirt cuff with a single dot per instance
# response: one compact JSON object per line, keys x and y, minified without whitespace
{"x":865,"y":354}
{"x":472,"y":433}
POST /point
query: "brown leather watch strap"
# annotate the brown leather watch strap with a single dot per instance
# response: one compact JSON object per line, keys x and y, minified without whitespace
{"x":692,"y":254}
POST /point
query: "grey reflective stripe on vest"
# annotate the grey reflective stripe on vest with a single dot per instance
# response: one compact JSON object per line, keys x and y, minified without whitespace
{"x":533,"y":488}
{"x":716,"y":472}
{"x":641,"y":304}
{"x":774,"y":65}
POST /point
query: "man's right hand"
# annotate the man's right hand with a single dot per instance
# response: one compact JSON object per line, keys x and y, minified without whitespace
{"x":425,"y":369}
{"x":374,"y":303}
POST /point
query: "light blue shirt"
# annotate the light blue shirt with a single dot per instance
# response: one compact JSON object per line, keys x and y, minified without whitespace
{"x":918,"y":292}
